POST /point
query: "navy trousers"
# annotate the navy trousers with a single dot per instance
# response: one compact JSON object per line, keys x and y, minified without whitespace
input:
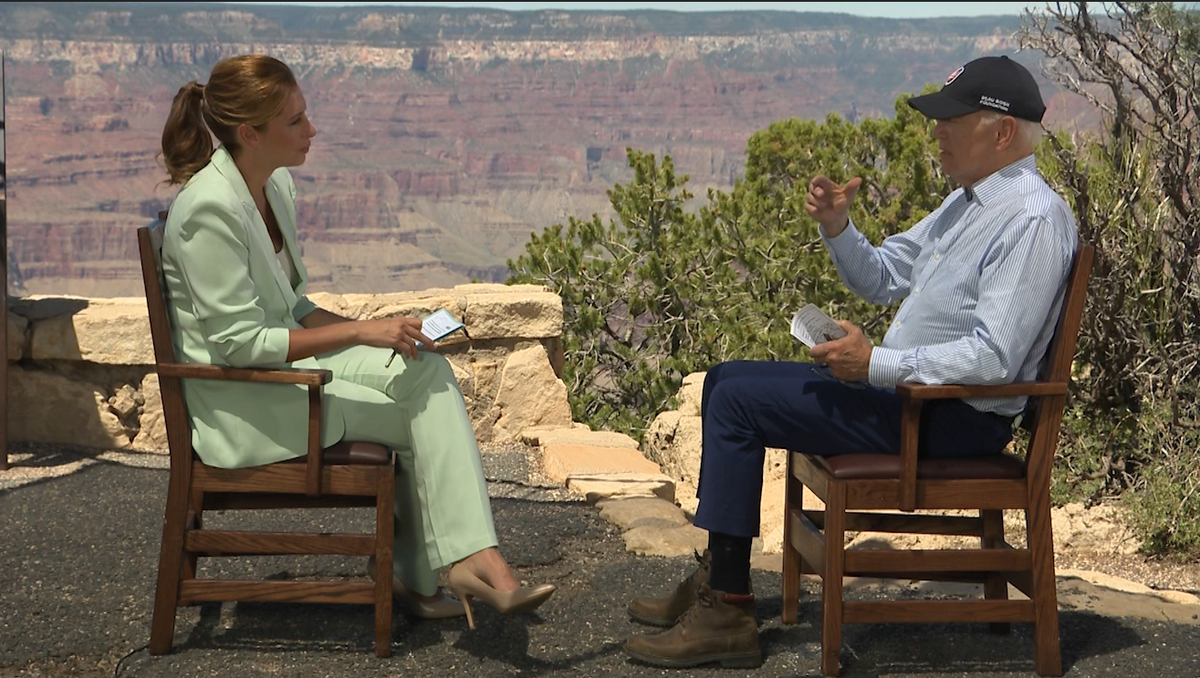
{"x":747,"y":407}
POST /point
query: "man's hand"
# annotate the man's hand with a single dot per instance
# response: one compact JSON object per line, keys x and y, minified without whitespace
{"x":829,"y":203}
{"x":848,"y":358}
{"x":400,"y":333}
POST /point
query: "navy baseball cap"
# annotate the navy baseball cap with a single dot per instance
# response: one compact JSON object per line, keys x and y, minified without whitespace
{"x":988,"y":83}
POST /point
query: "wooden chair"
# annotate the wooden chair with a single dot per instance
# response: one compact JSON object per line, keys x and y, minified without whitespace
{"x":348,"y":474}
{"x":850,"y":484}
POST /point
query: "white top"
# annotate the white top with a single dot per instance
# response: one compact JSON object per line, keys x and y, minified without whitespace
{"x":285,"y":261}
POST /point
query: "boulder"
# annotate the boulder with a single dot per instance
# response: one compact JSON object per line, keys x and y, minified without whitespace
{"x":152,"y":426}
{"x":529,"y":394}
{"x":50,"y":408}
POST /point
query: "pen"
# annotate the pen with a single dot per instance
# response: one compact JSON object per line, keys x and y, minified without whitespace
{"x":393,"y":355}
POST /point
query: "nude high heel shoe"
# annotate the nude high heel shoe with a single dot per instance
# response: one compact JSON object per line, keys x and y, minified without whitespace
{"x":444,"y":607}
{"x":465,"y":586}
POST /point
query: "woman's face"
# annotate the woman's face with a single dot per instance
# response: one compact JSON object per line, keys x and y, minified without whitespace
{"x":286,"y":139}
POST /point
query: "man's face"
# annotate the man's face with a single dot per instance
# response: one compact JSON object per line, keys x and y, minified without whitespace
{"x":969,"y":146}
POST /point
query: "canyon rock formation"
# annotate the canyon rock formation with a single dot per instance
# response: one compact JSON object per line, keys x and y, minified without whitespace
{"x":446,"y":136}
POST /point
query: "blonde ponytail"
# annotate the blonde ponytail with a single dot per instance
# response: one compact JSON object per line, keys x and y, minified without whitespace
{"x":242,"y":90}
{"x":186,"y":142}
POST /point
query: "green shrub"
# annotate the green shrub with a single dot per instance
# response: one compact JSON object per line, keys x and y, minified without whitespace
{"x":659,"y":292}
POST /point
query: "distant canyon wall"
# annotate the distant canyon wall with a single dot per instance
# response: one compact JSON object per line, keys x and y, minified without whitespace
{"x":436,"y":158}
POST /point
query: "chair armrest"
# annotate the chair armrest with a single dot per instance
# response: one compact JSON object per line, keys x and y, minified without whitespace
{"x":913,"y":396}
{"x":313,"y":379}
{"x":942,"y":391}
{"x":288,"y":376}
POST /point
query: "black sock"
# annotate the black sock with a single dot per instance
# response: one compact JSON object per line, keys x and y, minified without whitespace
{"x":730,"y":563}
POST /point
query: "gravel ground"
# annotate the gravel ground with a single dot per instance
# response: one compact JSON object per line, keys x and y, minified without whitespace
{"x":80,"y":552}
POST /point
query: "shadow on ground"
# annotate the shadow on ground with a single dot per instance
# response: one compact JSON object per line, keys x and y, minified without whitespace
{"x":80,"y":553}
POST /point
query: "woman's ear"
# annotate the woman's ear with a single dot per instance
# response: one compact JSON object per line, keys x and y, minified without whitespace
{"x":247,"y":136}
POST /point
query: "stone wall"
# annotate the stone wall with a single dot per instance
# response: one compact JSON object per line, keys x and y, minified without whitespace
{"x":81,"y":371}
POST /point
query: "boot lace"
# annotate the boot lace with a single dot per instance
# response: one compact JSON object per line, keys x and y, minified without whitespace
{"x":705,"y":599}
{"x":700,"y":572}
{"x":703,"y":565}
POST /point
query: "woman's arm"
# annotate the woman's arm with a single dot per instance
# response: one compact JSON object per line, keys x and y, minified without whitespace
{"x":319,"y":317}
{"x":325,"y":331}
{"x":321,"y":338}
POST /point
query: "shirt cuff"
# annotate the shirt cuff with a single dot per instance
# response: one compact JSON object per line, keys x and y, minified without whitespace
{"x":839,"y":244}
{"x":884,"y":369}
{"x":840,"y":236}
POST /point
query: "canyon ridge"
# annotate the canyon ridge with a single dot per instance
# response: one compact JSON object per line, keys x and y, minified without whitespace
{"x":446,"y":136}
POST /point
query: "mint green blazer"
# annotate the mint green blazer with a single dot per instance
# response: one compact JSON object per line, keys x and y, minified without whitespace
{"x":231,"y":304}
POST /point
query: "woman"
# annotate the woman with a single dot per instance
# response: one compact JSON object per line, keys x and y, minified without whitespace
{"x":236,"y":285}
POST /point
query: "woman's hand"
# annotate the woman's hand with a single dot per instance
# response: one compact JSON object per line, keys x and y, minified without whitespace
{"x":399,"y":333}
{"x":325,"y":331}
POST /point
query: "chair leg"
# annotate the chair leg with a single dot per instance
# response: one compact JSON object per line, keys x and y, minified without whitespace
{"x":1046,"y":644}
{"x":166,"y":593}
{"x":793,"y":500}
{"x":196,"y":522}
{"x":996,"y":586}
{"x":384,"y":536}
{"x":831,"y":589}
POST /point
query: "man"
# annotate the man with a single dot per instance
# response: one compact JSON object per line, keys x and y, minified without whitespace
{"x":981,"y":278}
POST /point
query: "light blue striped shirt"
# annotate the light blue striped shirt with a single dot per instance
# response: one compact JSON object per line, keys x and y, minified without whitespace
{"x":982,"y":280}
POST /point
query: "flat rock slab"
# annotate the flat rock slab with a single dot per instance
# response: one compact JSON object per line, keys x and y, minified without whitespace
{"x":598,"y":486}
{"x":576,"y":435}
{"x":562,"y":460}
{"x":672,"y":542}
{"x":638,"y":511}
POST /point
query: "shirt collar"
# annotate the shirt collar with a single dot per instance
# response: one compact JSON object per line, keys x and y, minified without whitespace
{"x":999,"y":181}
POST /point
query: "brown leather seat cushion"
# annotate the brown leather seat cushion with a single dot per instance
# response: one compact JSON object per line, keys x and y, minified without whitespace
{"x":357,"y":453}
{"x":353,"y":453}
{"x":887,"y":467}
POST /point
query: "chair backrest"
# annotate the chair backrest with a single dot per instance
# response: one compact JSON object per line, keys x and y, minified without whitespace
{"x":1061,"y":352}
{"x":179,"y":439}
{"x":150,"y":242}
{"x":1043,"y":415}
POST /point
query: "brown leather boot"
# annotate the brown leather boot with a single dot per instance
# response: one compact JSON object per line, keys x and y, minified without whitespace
{"x":666,"y":611}
{"x":718,"y":628}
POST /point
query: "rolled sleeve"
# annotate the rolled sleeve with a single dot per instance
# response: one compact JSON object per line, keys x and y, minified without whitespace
{"x":213,"y":261}
{"x":303,"y":307}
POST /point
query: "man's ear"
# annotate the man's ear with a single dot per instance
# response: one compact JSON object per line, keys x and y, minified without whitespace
{"x":247,"y":136}
{"x":1006,"y":132}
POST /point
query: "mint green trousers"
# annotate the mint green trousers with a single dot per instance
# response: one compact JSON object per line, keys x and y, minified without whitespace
{"x":416,"y":408}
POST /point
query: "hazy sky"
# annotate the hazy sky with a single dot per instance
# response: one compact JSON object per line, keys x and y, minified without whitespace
{"x":907,"y":10}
